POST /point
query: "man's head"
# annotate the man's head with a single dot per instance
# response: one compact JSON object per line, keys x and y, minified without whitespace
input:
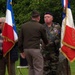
{"x":2,"y":21}
{"x":48,"y":17}
{"x":35,"y":15}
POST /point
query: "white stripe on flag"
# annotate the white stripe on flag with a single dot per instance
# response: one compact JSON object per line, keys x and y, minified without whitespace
{"x":15,"y":36}
{"x":69,"y":20}
{"x":9,"y":17}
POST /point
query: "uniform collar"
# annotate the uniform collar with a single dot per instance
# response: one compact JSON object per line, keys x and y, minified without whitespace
{"x":33,"y":20}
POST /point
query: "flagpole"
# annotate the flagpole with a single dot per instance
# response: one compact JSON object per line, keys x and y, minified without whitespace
{"x":9,"y":64}
{"x":65,"y":11}
{"x":63,"y":27}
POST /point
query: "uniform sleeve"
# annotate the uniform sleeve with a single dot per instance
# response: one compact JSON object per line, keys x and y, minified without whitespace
{"x":58,"y":36}
{"x":20,"y":41}
{"x":43,"y":35}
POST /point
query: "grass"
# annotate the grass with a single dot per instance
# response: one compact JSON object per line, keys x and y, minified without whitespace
{"x":22,"y":71}
{"x":25,"y":71}
{"x":72,"y":65}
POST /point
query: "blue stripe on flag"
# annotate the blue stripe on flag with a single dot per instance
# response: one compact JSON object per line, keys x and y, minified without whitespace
{"x":9,"y":7}
{"x":62,"y":3}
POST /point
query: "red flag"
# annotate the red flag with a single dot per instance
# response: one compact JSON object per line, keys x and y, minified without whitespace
{"x":68,"y":34}
{"x":9,"y":30}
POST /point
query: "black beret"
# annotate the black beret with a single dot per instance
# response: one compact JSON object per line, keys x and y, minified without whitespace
{"x":48,"y":13}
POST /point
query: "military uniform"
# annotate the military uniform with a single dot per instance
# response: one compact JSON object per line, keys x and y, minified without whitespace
{"x":51,"y":51}
{"x":29,"y":40}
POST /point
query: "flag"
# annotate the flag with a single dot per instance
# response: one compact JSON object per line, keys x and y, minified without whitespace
{"x":68,"y":32}
{"x":64,"y":3}
{"x":9,"y":31}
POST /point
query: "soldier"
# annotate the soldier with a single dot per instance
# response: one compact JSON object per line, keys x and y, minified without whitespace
{"x":51,"y":52}
{"x":29,"y":40}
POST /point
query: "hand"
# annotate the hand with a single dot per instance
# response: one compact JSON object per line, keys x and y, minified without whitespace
{"x":22,"y":55}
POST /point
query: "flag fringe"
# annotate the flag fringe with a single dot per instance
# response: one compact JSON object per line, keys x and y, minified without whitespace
{"x":64,"y":43}
{"x":9,"y":50}
{"x":67,"y":57}
{"x":7,"y":39}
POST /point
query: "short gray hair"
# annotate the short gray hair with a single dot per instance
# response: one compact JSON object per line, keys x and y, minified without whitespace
{"x":3,"y":19}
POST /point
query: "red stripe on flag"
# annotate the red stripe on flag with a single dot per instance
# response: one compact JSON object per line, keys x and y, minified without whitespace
{"x":66,"y":3}
{"x":8,"y":41}
{"x":70,"y":53}
{"x":8,"y":32}
{"x":7,"y":46}
{"x":69,"y":37}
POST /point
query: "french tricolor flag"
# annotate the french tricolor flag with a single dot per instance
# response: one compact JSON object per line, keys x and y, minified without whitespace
{"x":64,"y":3}
{"x":68,"y":33}
{"x":9,"y":31}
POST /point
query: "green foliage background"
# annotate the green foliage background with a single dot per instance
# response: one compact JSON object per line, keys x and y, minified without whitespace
{"x":22,"y":9}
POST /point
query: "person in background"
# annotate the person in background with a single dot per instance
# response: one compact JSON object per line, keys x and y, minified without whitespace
{"x":29,"y":43}
{"x":4,"y":61}
{"x":51,"y":52}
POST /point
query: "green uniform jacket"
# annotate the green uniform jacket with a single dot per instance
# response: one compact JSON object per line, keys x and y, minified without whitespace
{"x":30,"y":35}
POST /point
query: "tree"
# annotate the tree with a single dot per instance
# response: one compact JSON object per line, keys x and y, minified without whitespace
{"x":22,"y":9}
{"x":2,"y":8}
